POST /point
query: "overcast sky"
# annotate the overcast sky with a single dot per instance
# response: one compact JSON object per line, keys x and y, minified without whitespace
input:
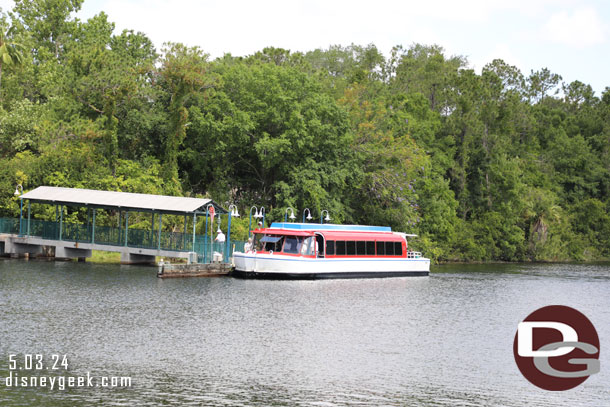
{"x":570,"y":37}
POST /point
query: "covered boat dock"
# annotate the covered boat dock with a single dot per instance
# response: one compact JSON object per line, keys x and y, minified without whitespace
{"x":107,"y":226}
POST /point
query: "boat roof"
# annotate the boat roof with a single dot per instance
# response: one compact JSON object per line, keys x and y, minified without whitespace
{"x":287,"y":232}
{"x":319,"y":227}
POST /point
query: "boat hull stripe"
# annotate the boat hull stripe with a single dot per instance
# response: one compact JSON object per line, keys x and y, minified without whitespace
{"x":320,"y":276}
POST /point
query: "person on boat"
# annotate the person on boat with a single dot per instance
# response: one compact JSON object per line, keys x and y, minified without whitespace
{"x":305,"y":246}
{"x":248,"y":245}
{"x":309,"y":245}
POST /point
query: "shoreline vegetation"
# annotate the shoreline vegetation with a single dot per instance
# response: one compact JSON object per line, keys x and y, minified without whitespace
{"x":499,"y":165}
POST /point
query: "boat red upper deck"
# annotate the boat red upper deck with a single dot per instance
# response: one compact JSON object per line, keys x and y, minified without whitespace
{"x":334,"y":240}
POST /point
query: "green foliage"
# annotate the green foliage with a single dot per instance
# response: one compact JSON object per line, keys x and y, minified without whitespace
{"x":11,"y":52}
{"x":182,"y":73}
{"x":489,"y":166}
{"x":49,"y":23}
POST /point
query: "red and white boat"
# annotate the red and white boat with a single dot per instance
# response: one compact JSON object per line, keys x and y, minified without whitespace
{"x":316,"y":251}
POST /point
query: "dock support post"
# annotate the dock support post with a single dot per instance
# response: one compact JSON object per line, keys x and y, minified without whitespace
{"x":126,"y":226}
{"x":61,"y":221}
{"x":29,"y":215}
{"x":228,"y":242}
{"x":159,"y":235}
{"x":194,"y":225}
{"x":93,"y":228}
{"x":184,"y":234}
{"x":152,"y":229}
{"x":56,"y":234}
{"x":205,"y":235}
{"x":21,"y":216}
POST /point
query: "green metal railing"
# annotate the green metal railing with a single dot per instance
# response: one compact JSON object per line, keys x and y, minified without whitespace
{"x":9,"y":225}
{"x":107,"y":235}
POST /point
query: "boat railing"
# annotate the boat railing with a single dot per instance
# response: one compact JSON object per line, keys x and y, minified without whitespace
{"x":413,"y":255}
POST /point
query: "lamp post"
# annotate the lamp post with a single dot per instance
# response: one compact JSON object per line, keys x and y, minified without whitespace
{"x":256,"y":215}
{"x":17,"y":193}
{"x":292,"y":217}
{"x":262,"y":215}
{"x":232,"y":212}
{"x":327,"y":218}
{"x":308,"y":214}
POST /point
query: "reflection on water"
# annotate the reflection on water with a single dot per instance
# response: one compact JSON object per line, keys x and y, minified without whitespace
{"x":439,"y":340}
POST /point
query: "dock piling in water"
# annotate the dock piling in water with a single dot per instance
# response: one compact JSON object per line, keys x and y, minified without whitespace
{"x":167,"y":270}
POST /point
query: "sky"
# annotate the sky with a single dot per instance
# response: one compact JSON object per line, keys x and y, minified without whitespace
{"x":569,"y":37}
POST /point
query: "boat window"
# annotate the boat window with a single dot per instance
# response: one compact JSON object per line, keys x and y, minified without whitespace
{"x":273,"y":243}
{"x":389,"y":248}
{"x":340,"y":248}
{"x":397,"y":249}
{"x":291,"y":244}
{"x":258,"y":244}
{"x":279,"y":244}
{"x":351,"y":248}
{"x":361,"y":248}
{"x":270,"y":239}
{"x":380,"y":248}
{"x":370,"y":248}
{"x":330,"y":247}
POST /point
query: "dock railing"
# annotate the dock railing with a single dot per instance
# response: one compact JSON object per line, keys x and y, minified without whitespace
{"x":9,"y":225}
{"x":113,"y":236}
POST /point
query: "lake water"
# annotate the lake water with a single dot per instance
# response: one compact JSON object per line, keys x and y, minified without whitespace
{"x":443,"y":340}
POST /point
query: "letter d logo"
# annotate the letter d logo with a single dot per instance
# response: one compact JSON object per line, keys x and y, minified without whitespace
{"x":526,"y":338}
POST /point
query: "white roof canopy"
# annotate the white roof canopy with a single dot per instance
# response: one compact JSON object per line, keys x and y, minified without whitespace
{"x":119,"y":200}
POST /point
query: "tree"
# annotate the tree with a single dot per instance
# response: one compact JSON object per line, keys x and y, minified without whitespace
{"x":183,"y":72}
{"x":540,"y":83}
{"x":11,"y":52}
{"x":267,"y":135}
{"x":49,"y":23}
{"x":105,"y":78}
{"x":389,"y":164}
{"x":426,"y":70}
{"x":511,"y":78}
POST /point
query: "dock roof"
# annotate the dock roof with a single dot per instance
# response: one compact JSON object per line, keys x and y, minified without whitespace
{"x":120,"y":200}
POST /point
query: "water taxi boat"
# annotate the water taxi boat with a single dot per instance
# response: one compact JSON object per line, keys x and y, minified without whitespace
{"x":316,"y":251}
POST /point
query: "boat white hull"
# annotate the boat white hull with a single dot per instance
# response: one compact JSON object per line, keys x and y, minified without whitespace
{"x":279,"y":266}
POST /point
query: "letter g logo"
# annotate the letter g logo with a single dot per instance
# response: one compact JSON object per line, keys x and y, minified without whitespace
{"x":556,"y":348}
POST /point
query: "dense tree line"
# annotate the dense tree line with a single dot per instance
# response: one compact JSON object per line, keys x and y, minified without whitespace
{"x":491,"y":166}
